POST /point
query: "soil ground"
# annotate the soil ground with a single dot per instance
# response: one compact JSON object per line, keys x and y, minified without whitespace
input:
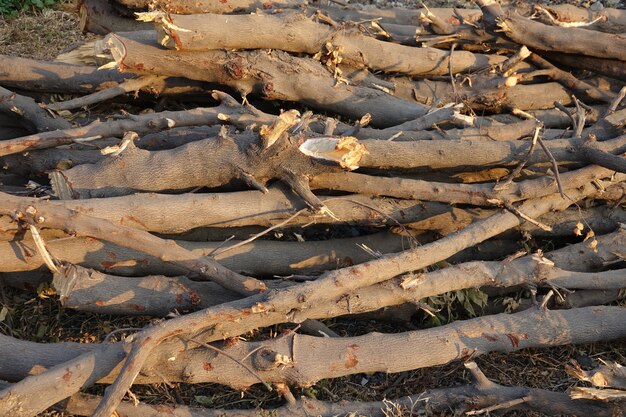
{"x":38,"y":317}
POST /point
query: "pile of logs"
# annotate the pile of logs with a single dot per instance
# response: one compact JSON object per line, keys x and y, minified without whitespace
{"x":285,"y":162}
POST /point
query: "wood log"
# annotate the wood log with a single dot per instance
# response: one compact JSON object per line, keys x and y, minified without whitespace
{"x":33,"y":213}
{"x":77,"y":374}
{"x":55,"y":77}
{"x":144,"y":123}
{"x":99,"y":17}
{"x":186,"y":167}
{"x":347,"y":280}
{"x":297,"y":33}
{"x":26,"y":110}
{"x":542,"y":37}
{"x":463,"y":398}
{"x":89,"y":290}
{"x":349,"y":355}
{"x":211,"y":6}
{"x":246,"y":208}
{"x":259,"y":258}
{"x":273,"y":75}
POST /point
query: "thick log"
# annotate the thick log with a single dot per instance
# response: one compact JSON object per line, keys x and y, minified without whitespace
{"x":609,"y":67}
{"x":498,"y":99}
{"x":210,"y":6}
{"x":79,"y":373}
{"x":259,"y":258}
{"x":55,"y":77}
{"x":35,"y":213}
{"x":572,"y":40}
{"x":188,"y":166}
{"x":29,"y":112}
{"x":99,"y":17}
{"x":298,"y":33}
{"x":273,"y":75}
{"x":246,"y":208}
{"x":302,"y":365}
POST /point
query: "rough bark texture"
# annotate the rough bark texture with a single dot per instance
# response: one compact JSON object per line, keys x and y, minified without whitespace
{"x":273,"y":75}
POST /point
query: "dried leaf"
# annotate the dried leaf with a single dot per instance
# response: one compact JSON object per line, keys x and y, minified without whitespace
{"x":578,"y":230}
{"x":593,"y":245}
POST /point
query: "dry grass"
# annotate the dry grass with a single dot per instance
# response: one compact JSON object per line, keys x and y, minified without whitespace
{"x":42,"y":35}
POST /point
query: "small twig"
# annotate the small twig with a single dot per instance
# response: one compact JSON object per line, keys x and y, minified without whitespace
{"x":517,"y":212}
{"x":479,"y":377}
{"x":569,"y":114}
{"x":221,"y":245}
{"x":258,"y":235}
{"x":581,"y":113}
{"x":513,"y":60}
{"x":107,"y":94}
{"x":546,"y":299}
{"x":500,"y":406}
{"x":520,"y":166}
{"x":555,"y":167}
{"x":374,"y":209}
{"x":616,"y":102}
{"x":220,"y":351}
{"x":330,"y":126}
{"x":454,"y":90}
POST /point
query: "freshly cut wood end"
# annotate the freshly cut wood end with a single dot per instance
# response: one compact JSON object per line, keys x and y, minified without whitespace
{"x":88,"y":53}
{"x":117,"y":49}
{"x":346,"y":151}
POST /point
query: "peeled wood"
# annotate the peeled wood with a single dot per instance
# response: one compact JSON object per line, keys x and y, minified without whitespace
{"x":298,"y":33}
{"x":273,"y":75}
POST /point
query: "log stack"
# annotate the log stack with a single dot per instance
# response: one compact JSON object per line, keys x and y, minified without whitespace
{"x":286,"y":162}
